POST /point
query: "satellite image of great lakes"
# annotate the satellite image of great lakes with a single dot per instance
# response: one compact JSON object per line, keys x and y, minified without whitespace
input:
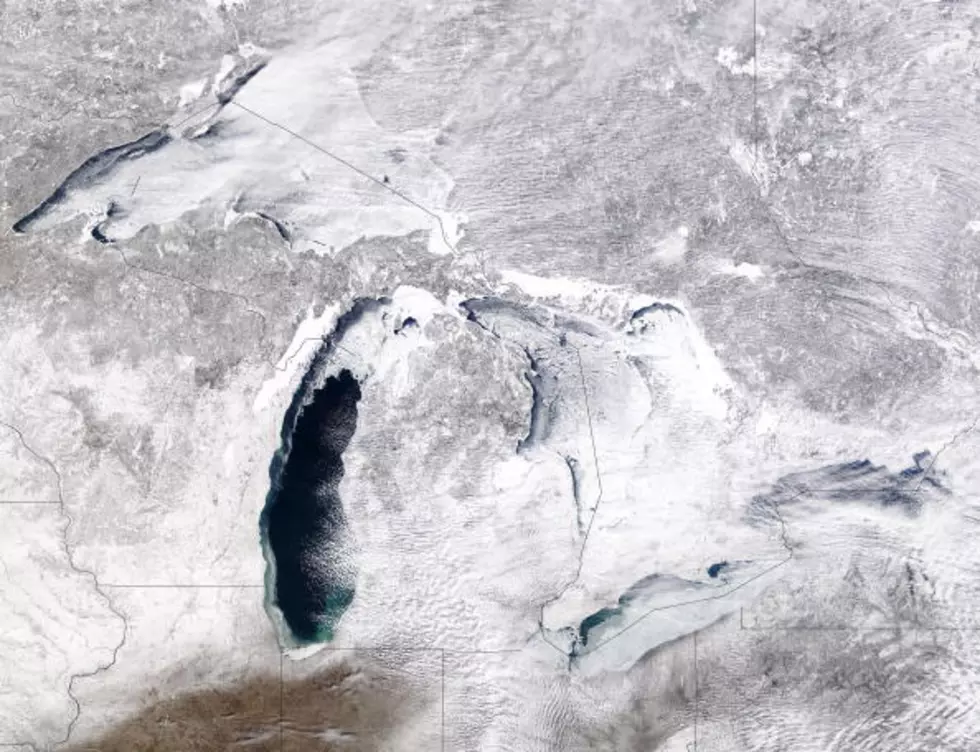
{"x":489,"y":375}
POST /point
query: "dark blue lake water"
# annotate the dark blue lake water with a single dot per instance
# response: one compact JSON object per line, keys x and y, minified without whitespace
{"x":303,"y":521}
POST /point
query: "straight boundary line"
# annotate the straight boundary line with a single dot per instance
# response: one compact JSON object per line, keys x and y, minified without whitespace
{"x":281,"y":703}
{"x":658,"y":609}
{"x":595,"y":509}
{"x":727,"y":590}
{"x":755,"y":83}
{"x":351,"y":166}
{"x":25,"y":502}
{"x":442,"y":701}
{"x":697,"y":698}
{"x":69,"y":553}
{"x":386,"y":186}
{"x":189,"y":586}
{"x":443,"y":651}
{"x":851,"y":628}
{"x":404,"y":649}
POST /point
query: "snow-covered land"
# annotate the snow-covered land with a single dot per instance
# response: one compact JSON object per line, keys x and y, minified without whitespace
{"x":489,"y":376}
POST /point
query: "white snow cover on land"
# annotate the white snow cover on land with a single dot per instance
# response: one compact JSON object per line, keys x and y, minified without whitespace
{"x":192,"y":91}
{"x":308,"y":337}
{"x":752,"y":272}
{"x":447,"y":234}
{"x":750,"y":163}
{"x":672,"y":248}
{"x":661,"y":407}
{"x":59,"y":624}
{"x":578,"y":294}
{"x":468,"y":559}
{"x":231,"y":4}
